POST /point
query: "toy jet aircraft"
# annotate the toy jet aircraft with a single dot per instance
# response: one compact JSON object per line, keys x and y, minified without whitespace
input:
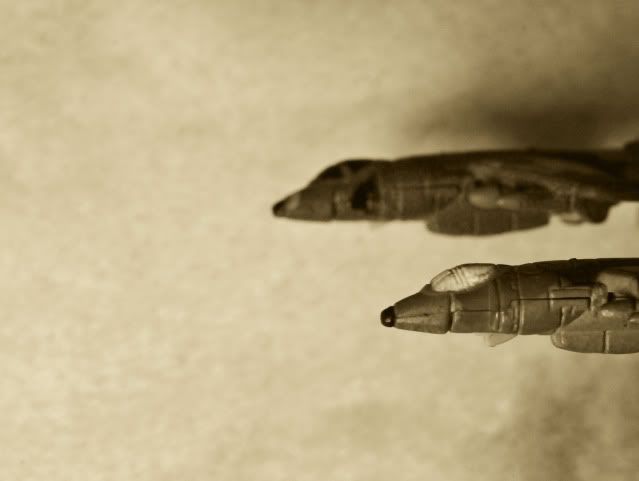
{"x":583,"y":305}
{"x":473,"y":193}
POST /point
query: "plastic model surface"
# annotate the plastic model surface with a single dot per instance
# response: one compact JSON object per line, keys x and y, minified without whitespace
{"x":473,"y":193}
{"x":584,"y":305}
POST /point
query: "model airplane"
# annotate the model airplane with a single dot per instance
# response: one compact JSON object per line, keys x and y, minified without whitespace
{"x":583,"y":305}
{"x":473,"y":193}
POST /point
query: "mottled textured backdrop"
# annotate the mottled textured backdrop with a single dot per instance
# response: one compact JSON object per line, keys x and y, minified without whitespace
{"x":156,"y":323}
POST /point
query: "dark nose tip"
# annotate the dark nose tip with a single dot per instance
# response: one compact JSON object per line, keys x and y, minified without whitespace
{"x":388,"y":316}
{"x":278,"y":208}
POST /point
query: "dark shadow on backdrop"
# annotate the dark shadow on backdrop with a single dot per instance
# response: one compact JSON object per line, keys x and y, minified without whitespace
{"x":583,"y":111}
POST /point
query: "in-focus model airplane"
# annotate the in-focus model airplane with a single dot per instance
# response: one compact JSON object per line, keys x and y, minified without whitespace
{"x":473,"y":193}
{"x":585,"y":305}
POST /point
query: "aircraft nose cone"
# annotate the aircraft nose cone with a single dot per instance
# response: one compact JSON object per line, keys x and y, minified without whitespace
{"x":388,"y":316}
{"x":291,"y":206}
{"x":278,"y":208}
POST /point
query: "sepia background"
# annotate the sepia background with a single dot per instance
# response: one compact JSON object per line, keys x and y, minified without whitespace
{"x":157,"y":323}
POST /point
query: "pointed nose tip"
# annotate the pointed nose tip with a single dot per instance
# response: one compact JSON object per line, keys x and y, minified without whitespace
{"x":278,"y":208}
{"x":388,"y":316}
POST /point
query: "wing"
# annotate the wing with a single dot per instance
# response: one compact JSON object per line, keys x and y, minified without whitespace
{"x":559,"y":174}
{"x":608,"y":327}
{"x":534,"y":197}
{"x":613,"y":341}
{"x":461,"y":218}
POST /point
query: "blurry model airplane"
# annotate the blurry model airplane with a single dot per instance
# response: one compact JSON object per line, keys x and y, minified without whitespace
{"x":473,"y":193}
{"x":583,"y":305}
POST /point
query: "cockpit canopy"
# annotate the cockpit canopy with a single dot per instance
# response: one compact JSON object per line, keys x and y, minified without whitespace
{"x":343,"y":169}
{"x":463,"y":277}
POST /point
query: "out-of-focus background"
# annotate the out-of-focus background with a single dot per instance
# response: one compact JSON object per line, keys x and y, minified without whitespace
{"x":156,"y":323}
